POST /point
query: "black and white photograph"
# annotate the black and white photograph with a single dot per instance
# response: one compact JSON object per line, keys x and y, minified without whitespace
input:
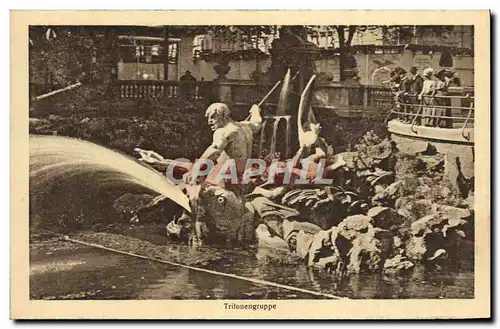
{"x":239,"y":163}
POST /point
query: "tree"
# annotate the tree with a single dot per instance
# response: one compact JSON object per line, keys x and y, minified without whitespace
{"x":61,"y":55}
{"x":390,"y":34}
{"x":346,"y":64}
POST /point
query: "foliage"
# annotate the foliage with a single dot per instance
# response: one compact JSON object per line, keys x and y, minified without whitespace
{"x":62,"y":55}
{"x":229,"y":32}
{"x":166,"y":127}
{"x":55,"y":62}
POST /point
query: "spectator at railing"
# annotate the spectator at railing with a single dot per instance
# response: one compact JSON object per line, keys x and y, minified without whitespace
{"x":444,"y":104}
{"x":415,"y":89}
{"x":426,"y":98}
{"x":401,"y":88}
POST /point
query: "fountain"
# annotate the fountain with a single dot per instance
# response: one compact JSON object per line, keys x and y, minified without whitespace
{"x":68,"y":166}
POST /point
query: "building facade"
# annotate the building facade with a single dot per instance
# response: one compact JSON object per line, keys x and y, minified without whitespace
{"x":375,"y":54}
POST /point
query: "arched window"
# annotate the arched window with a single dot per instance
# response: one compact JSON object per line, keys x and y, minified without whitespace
{"x":446,"y":59}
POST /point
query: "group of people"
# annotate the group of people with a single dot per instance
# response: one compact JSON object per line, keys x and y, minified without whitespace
{"x":421,"y":98}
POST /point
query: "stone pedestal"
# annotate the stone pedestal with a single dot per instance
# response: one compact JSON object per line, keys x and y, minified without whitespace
{"x":223,"y":90}
{"x":222,"y":68}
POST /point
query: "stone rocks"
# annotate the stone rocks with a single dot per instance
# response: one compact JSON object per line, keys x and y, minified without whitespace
{"x":394,"y":190}
{"x":389,"y":195}
{"x":421,"y":208}
{"x":402,"y":203}
{"x":352,"y":226}
{"x":445,"y":192}
{"x":438,"y":233}
{"x":369,"y":251}
{"x":397,"y":264}
{"x":406,"y":164}
{"x":426,"y":163}
{"x":453,"y":214}
{"x":425,"y":225}
{"x":323,"y":246}
{"x":268,"y":241}
{"x":422,"y":191}
{"x":415,"y":248}
{"x":385,"y":217}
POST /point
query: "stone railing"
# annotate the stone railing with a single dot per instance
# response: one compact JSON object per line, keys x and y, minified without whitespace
{"x":161,"y":88}
{"x":345,"y":100}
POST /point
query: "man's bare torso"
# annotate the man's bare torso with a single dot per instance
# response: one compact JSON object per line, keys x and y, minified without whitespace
{"x":238,"y":140}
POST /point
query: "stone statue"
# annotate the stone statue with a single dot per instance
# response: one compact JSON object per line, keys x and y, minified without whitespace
{"x":231,"y":139}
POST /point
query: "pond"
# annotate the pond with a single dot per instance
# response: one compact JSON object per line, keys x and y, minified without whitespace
{"x":62,"y":270}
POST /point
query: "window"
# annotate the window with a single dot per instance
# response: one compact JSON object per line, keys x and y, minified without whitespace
{"x":197,"y":46}
{"x":150,"y":53}
{"x":173,"y":53}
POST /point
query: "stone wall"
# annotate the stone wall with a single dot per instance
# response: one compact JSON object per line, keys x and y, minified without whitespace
{"x":372,"y":68}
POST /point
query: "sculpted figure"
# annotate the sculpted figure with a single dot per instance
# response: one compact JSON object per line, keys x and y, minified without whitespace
{"x":231,"y":139}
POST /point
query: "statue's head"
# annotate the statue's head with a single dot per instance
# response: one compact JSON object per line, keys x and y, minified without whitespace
{"x":315,"y":127}
{"x":218,"y":115}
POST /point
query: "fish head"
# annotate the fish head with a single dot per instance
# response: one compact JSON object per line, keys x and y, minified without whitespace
{"x":217,"y":215}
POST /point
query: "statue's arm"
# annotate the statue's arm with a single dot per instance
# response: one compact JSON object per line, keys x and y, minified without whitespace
{"x":255,"y":120}
{"x":219,"y":144}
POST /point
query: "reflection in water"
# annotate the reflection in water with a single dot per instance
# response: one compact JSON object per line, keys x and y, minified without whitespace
{"x":421,"y":282}
{"x":106,"y":275}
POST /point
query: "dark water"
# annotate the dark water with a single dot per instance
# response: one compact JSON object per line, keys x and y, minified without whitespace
{"x":66,"y":271}
{"x":87,"y":273}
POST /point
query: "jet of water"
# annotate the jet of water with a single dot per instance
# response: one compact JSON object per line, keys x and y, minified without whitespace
{"x":56,"y":159}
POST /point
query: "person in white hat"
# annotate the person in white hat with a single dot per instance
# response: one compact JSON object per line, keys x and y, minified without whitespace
{"x":428,"y":90}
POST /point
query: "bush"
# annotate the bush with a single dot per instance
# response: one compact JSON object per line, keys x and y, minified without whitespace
{"x":173,"y":129}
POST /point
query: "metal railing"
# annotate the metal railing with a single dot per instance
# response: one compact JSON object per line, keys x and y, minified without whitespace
{"x":429,"y":112}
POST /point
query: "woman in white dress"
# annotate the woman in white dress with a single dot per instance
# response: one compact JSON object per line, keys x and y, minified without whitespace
{"x":428,"y":91}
